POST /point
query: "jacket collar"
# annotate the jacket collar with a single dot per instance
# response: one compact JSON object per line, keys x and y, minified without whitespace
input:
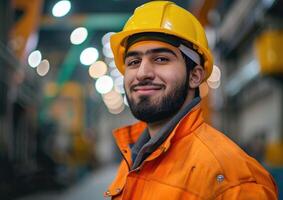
{"x":129,"y":135}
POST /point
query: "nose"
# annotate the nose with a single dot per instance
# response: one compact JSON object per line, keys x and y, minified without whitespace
{"x":145,"y":70}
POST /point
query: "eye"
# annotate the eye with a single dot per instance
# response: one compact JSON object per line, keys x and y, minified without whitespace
{"x":161,"y":60}
{"x":132,"y":62}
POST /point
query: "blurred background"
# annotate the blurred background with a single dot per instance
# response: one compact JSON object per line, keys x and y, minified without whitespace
{"x":61,"y":94}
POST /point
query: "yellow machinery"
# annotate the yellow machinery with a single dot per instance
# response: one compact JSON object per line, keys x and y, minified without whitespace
{"x":269,"y":49}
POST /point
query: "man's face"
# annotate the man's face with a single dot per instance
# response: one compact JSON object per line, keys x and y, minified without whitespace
{"x":155,"y":80}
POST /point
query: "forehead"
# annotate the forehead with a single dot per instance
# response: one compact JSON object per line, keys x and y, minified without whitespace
{"x":143,"y":46}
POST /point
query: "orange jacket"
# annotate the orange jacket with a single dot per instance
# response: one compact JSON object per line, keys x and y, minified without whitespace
{"x":195,"y":162}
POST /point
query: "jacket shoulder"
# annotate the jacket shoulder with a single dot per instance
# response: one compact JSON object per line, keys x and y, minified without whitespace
{"x":224,"y":164}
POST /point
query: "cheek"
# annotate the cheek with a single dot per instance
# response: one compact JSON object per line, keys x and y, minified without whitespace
{"x":173,"y":77}
{"x":128,"y":79}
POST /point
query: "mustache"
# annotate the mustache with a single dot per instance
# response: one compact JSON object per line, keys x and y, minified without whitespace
{"x":145,"y":83}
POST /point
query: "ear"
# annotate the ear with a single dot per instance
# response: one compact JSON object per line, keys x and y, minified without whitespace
{"x":197,"y":74}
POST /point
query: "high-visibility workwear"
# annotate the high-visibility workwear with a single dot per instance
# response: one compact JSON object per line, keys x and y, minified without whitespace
{"x":195,"y":162}
{"x":162,"y":17}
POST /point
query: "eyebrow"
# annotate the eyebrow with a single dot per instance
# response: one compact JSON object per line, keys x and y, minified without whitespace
{"x":150,"y":51}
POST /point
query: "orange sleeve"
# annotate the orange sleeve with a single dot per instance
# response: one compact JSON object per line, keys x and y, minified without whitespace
{"x":249,"y":191}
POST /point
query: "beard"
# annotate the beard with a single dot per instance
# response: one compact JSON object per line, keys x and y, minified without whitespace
{"x":151,"y":111}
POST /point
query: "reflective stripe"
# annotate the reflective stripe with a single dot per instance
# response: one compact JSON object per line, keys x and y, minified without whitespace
{"x":190,"y":53}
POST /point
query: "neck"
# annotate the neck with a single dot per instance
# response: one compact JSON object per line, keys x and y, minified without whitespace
{"x":154,"y":127}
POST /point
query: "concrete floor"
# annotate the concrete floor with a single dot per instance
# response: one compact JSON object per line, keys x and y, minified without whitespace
{"x":91,"y":187}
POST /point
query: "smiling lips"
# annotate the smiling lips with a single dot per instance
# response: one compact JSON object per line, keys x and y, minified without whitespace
{"x":147,"y":89}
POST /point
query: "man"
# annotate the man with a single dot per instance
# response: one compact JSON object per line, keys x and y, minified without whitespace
{"x":173,"y":154}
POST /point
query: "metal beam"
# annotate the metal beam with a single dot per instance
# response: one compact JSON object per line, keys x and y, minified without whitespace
{"x":103,"y":21}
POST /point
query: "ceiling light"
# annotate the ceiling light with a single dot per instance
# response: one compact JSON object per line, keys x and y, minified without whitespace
{"x":78,"y":35}
{"x":61,"y":8}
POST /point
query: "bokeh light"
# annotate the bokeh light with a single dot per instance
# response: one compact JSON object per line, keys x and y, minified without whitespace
{"x":34,"y":58}
{"x":97,"y":69}
{"x":78,"y":35}
{"x":89,"y":56}
{"x":110,"y":95}
{"x":114,"y":102}
{"x":107,"y":51}
{"x":215,"y":74}
{"x":119,"y":84}
{"x":43,"y":68}
{"x":106,"y":37}
{"x":115,"y":73}
{"x":214,"y":85}
{"x":117,"y":111}
{"x":112,"y":64}
{"x":61,"y":8}
{"x":104,"y":84}
{"x":214,"y":79}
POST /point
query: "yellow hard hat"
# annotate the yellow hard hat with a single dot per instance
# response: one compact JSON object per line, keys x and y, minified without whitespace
{"x":162,"y":17}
